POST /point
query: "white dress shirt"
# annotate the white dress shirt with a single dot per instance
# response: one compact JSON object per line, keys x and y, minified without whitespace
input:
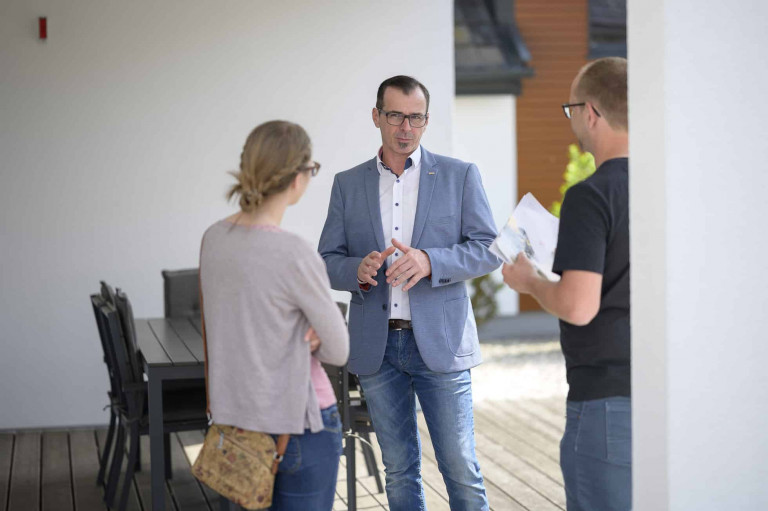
{"x":398,"y":197}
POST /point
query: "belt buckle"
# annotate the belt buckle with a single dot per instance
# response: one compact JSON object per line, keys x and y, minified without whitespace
{"x":399,"y":324}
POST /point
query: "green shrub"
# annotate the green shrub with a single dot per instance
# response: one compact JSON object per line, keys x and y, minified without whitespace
{"x":484,"y":291}
{"x":579,"y":168}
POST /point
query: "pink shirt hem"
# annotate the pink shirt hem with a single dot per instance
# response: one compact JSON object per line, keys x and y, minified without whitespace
{"x":321,"y":384}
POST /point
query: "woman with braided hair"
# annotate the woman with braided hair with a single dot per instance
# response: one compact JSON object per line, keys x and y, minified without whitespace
{"x":270,"y":319}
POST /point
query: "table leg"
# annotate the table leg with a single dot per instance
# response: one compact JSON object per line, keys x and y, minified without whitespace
{"x":156,"y":442}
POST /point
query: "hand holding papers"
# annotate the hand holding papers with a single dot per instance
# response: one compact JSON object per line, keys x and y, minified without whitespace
{"x":533,"y":230}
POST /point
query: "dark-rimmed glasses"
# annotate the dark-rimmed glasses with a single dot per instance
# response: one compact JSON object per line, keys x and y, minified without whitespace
{"x":568,"y":106}
{"x":313,"y":168}
{"x":397,"y":118}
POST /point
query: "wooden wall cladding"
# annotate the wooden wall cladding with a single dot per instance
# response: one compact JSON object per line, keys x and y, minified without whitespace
{"x":556,"y":33}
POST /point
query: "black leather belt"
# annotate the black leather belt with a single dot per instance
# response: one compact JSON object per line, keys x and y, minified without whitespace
{"x":400,"y":324}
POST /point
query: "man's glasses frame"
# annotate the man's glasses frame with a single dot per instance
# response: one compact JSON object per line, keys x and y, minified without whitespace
{"x":567,"y":109}
{"x":398,"y":118}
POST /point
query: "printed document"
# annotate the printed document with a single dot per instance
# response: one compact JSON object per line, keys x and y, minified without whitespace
{"x":533,"y":230}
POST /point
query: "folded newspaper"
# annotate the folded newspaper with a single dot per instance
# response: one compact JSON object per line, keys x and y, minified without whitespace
{"x":533,"y":230}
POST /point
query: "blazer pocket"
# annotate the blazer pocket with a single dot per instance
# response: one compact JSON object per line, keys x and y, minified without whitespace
{"x":455,"y":318}
{"x":441,"y":231}
{"x":443,"y":219}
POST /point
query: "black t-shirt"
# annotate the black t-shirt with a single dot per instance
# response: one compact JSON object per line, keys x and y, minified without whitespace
{"x":594,"y":236}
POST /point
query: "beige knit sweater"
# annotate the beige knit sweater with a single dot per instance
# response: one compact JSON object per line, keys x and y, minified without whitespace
{"x":262,"y":289}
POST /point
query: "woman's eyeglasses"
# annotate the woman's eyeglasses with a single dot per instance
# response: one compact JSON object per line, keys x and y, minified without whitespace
{"x":312,"y":168}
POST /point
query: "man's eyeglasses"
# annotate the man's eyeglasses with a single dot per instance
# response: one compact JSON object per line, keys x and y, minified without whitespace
{"x":397,"y":118}
{"x":312,"y":168}
{"x":568,"y":106}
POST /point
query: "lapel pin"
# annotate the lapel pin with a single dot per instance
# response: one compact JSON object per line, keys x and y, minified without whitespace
{"x":431,"y":173}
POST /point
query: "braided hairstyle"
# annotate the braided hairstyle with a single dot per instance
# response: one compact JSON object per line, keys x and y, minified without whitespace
{"x":272,"y":155}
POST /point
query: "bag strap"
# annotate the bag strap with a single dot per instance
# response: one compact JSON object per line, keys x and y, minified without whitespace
{"x":282,"y":440}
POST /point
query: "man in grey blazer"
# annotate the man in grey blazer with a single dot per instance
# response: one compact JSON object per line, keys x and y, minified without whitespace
{"x":404,"y":231}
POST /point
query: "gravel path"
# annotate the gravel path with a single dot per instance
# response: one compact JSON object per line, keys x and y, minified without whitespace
{"x":519,"y":369}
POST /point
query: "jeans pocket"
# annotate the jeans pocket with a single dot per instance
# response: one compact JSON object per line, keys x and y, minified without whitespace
{"x":332,"y":421}
{"x":590,"y":431}
{"x":292,"y":457}
{"x":618,"y":429}
{"x":338,"y":445}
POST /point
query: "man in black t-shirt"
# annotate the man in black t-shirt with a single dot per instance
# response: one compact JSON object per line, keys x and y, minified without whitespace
{"x":592,"y":297}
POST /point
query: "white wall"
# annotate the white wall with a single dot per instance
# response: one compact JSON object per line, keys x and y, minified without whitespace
{"x":698,"y":184}
{"x":116,"y":135}
{"x":484,"y":133}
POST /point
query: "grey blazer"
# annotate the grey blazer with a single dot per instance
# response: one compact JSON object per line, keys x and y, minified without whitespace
{"x":453,"y":225}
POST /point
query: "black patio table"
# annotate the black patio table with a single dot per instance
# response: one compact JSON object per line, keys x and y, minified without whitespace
{"x":171,"y":349}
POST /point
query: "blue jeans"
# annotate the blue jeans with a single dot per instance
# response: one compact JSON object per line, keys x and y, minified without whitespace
{"x":306,"y":478}
{"x":596,"y":455}
{"x":446,"y":401}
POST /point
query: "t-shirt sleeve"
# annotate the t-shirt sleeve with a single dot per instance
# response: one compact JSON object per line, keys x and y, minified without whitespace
{"x":583,"y":234}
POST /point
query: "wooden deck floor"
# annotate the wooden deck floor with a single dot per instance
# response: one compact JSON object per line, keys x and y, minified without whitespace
{"x":517,"y":445}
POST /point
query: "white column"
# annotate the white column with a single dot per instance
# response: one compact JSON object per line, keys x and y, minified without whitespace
{"x":484,"y":133}
{"x":698,"y":181}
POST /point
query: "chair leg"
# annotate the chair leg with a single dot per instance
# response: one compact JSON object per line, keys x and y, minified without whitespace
{"x":137,"y":468}
{"x":106,"y":449}
{"x":130,"y":469}
{"x":116,"y":467}
{"x":167,"y":454}
{"x":370,"y":461}
{"x":349,"y":452}
{"x":227,"y":505}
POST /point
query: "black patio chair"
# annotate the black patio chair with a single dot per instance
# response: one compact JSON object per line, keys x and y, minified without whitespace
{"x":181,"y":299}
{"x":181,"y":293}
{"x":356,"y":423}
{"x":97,"y":300}
{"x":184,"y":409}
{"x":107,"y":296}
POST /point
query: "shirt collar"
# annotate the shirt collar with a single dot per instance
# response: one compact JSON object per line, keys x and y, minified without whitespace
{"x":413,"y":161}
